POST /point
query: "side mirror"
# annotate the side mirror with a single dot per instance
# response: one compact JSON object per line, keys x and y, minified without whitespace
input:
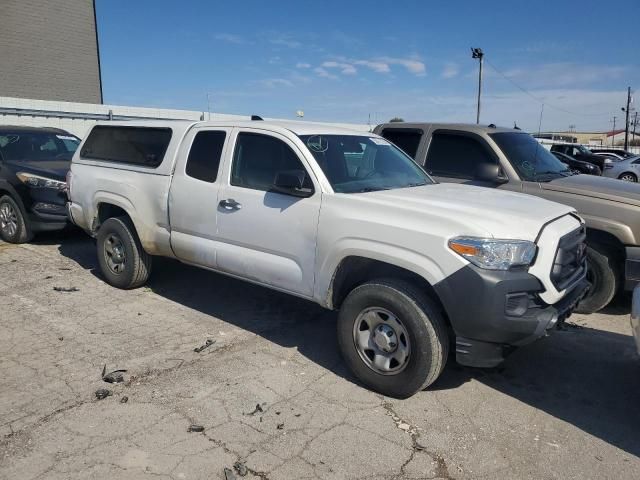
{"x":291,"y":182}
{"x":489,"y":172}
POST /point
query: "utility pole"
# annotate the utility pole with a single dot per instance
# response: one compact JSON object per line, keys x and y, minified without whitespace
{"x":209,"y":105}
{"x":479,"y":54}
{"x":626,"y":128}
{"x":540,"y":122}
{"x":613,"y":133}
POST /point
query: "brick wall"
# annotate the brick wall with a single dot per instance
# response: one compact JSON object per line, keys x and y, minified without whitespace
{"x":48,"y":50}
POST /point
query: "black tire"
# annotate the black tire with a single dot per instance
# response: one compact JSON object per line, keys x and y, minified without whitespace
{"x":604,"y":276}
{"x":135,"y":268}
{"x":420,"y":318}
{"x":13,"y":226}
{"x":629,"y":177}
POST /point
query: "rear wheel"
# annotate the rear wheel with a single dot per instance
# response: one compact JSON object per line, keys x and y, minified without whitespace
{"x":393,"y":337}
{"x":13,"y":226}
{"x":629,"y":177}
{"x":604,"y":277}
{"x":123,"y":261}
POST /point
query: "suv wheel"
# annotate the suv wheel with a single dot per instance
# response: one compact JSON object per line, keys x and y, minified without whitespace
{"x":392,"y":337}
{"x":13,"y":227}
{"x":603,"y":274}
{"x":123,"y":261}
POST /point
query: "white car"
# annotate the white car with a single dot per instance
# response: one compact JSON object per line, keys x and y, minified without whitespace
{"x":635,"y":317}
{"x":627,"y":169}
{"x":341,"y":218}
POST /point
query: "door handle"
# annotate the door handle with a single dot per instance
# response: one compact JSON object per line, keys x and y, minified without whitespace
{"x":229,"y":204}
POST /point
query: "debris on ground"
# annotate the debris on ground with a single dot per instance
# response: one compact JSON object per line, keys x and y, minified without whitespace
{"x":48,"y":277}
{"x":229,"y":475}
{"x":207,"y":344}
{"x":195,"y":428}
{"x":280,"y":426}
{"x":124,"y":399}
{"x":103,"y":393}
{"x":258,"y":409}
{"x":61,"y":338}
{"x":66,"y":289}
{"x":240,"y":468}
{"x":112,"y":377}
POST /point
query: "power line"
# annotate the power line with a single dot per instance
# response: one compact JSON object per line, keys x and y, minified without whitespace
{"x":541,"y":100}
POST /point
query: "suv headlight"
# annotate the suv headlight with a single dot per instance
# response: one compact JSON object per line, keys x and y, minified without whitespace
{"x":494,"y":254}
{"x":40,"y":182}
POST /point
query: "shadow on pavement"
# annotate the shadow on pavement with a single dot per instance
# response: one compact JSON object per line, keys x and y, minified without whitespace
{"x":587,"y":377}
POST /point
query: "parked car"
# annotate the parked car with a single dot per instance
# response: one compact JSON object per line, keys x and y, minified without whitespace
{"x":578,"y":166}
{"x":33,"y":165}
{"x":341,"y":218}
{"x":618,"y":152}
{"x":627,"y":169}
{"x":579,"y":152}
{"x":513,"y":160}
{"x":612,"y":156}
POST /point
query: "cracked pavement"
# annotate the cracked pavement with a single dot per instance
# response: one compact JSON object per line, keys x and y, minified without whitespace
{"x":564,"y":407}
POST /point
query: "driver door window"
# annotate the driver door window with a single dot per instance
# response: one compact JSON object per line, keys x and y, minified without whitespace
{"x":258,"y":158}
{"x":455,"y":156}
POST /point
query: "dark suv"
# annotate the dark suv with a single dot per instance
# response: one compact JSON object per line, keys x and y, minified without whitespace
{"x":579,"y":152}
{"x":33,"y":166}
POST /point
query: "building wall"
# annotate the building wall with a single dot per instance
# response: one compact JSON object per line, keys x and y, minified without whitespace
{"x":49,"y":50}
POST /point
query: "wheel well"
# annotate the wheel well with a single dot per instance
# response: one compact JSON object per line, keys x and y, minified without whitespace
{"x":106,"y":211}
{"x":354,"y":271}
{"x":606,"y":240}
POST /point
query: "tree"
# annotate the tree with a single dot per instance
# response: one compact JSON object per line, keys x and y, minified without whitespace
{"x":396,"y":119}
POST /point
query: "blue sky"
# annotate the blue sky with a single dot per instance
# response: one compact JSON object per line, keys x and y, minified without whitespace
{"x":350,"y":60}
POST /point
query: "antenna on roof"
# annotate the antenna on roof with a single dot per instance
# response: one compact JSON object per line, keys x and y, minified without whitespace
{"x":256,"y":117}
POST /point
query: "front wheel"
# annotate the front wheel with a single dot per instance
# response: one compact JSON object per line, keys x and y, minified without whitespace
{"x":392,"y":337}
{"x":602,"y":272}
{"x":123,"y":261}
{"x":13,"y":226}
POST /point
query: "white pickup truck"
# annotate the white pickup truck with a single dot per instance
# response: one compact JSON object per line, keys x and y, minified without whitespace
{"x":344,"y":219}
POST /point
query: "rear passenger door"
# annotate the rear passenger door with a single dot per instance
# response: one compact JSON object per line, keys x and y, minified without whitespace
{"x":266,"y":236}
{"x":193,"y":198}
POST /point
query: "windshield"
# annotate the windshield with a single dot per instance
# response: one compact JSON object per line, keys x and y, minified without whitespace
{"x":356,"y":164}
{"x":28,"y":146}
{"x":531,"y":160}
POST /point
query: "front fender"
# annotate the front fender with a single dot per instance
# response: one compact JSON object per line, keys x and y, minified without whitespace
{"x":418,"y":263}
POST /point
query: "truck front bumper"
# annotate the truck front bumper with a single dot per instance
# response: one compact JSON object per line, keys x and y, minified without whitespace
{"x":635,"y":316}
{"x":493,"y":311}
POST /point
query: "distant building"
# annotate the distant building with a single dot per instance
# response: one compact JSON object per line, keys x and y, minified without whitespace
{"x":586,"y":138}
{"x":49,"y":50}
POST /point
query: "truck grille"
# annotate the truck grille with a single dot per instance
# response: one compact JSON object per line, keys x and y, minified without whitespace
{"x":570,"y":262}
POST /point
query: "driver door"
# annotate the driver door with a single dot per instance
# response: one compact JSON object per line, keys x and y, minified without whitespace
{"x":263,"y":235}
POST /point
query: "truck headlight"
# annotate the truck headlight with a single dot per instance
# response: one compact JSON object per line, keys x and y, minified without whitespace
{"x":40,"y":182}
{"x":494,"y":254}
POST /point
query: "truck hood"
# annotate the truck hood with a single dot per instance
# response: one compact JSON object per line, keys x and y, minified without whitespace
{"x":596,"y":187}
{"x":485,"y":211}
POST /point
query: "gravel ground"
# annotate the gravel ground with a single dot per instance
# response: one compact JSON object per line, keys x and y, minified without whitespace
{"x":272,"y":393}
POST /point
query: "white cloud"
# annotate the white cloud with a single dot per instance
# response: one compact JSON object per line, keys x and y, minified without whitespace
{"x":411,"y":64}
{"x":231,"y":38}
{"x":345,"y":68}
{"x":379,"y":67}
{"x":303,"y":65}
{"x":283,"y":40}
{"x":276,"y":82}
{"x":559,"y":75}
{"x":451,"y":70}
{"x":322,"y":72}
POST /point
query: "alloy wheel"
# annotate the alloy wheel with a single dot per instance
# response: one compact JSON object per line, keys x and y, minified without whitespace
{"x":8,"y":220}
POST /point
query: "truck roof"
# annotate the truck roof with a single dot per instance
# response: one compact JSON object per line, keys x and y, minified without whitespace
{"x":468,"y":127}
{"x":299,"y":127}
